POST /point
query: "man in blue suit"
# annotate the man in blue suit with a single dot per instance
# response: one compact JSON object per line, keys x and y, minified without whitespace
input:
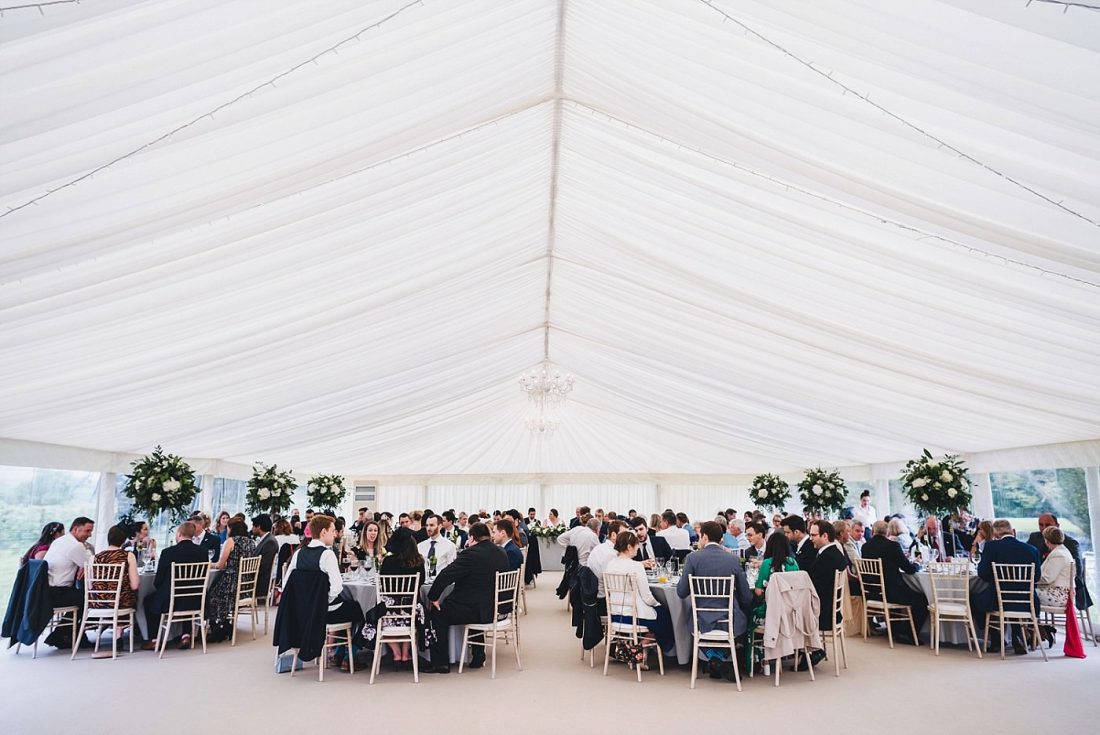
{"x":713,"y":560}
{"x":503,"y":537}
{"x":1005,"y":549}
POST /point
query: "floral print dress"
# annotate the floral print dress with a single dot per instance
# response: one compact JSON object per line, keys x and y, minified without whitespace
{"x":224,"y":592}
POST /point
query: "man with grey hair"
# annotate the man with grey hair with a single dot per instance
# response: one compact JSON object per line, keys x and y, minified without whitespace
{"x":583,"y":537}
{"x":1004,"y":549}
{"x":734,"y":537}
{"x":894,"y":565}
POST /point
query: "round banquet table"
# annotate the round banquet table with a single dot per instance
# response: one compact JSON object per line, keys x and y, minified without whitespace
{"x":680,"y":612}
{"x":366,"y":594}
{"x":954,"y":633}
{"x":145,"y":588}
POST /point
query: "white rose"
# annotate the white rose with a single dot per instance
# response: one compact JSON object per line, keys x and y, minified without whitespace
{"x":817,"y":490}
{"x":924,"y":496}
{"x":952,"y":493}
{"x":937,"y":486}
{"x":263,"y":494}
{"x":919,"y":483}
{"x":332,"y":488}
{"x":946,"y":476}
{"x":963,"y":484}
{"x":156,"y":497}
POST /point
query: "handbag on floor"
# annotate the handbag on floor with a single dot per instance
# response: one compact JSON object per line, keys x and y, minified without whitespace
{"x":285,"y":660}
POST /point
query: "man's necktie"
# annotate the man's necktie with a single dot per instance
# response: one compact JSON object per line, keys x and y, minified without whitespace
{"x":645,"y":550}
{"x":431,"y":550}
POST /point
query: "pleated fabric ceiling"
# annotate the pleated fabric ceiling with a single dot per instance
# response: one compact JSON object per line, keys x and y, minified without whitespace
{"x":762,"y":234}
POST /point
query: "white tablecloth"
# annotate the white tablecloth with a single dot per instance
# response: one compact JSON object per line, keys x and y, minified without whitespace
{"x":145,"y":588}
{"x":949,"y":632}
{"x":680,"y":612}
{"x":366,"y":594}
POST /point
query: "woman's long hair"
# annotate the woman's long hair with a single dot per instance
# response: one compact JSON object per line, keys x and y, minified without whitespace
{"x":378,"y":545}
{"x":50,"y":531}
{"x":777,"y":548}
{"x":403,"y":545}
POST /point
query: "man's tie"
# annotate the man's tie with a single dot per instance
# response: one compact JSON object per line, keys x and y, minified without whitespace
{"x":431,"y":549}
{"x":645,"y":550}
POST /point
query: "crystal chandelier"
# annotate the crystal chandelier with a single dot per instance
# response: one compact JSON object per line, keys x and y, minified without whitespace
{"x":546,"y":387}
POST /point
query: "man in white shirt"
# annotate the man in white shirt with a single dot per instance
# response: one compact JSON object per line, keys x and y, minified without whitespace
{"x":678,"y":538}
{"x":605,"y":552}
{"x":66,"y":558}
{"x":318,"y":556}
{"x":584,"y":537}
{"x":442,"y":548}
{"x":865,"y":513}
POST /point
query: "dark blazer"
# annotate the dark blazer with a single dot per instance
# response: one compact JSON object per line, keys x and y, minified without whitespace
{"x":211,"y":542}
{"x":574,"y":521}
{"x":29,"y":610}
{"x":952,"y":545}
{"x":661,"y":549}
{"x":1007,"y":550}
{"x":184,"y":552}
{"x":714,"y":561}
{"x":894,"y":564}
{"x":751,"y":552}
{"x":1084,"y":599}
{"x":829,"y":561}
{"x":300,"y":621}
{"x":515,"y":555}
{"x":267,"y":551}
{"x":805,"y":557}
{"x":473,"y":573}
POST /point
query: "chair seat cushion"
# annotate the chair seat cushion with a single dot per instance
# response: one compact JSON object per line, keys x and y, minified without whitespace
{"x":246,"y":602}
{"x":949,"y":608}
{"x":395,"y":631}
{"x":714,"y":635}
{"x":108,"y":612}
{"x":484,"y":627}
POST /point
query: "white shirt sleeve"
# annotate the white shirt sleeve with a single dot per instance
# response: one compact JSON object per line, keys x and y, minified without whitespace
{"x":330,"y":566}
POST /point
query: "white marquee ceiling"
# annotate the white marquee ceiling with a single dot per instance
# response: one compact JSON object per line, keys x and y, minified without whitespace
{"x":751,"y":267}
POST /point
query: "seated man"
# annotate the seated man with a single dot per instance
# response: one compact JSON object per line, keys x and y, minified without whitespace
{"x":756,"y":533}
{"x":894,"y":564}
{"x":156,"y":604}
{"x":584,"y":538}
{"x":677,"y":537}
{"x":600,"y":556}
{"x":1004,"y":549}
{"x":473,"y":574}
{"x":714,"y":561}
{"x":503,"y":531}
{"x":931,"y":535}
{"x":436,"y":545}
{"x":650,"y":546}
{"x":803,"y":551}
{"x":830,"y":560}
{"x":66,"y":558}
{"x":267,"y":548}
{"x":319,"y":557}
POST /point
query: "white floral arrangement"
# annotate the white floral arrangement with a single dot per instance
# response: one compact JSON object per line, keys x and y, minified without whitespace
{"x":937,"y":487}
{"x":326,"y":492}
{"x":161,"y":483}
{"x":269,"y":490}
{"x":770,"y":491}
{"x":550,"y":532}
{"x":822,"y":492}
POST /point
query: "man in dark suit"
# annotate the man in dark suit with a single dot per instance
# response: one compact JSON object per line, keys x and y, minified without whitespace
{"x":830,"y":560}
{"x":894,"y":564}
{"x":473,"y":574}
{"x":582,"y":510}
{"x":266,"y":548}
{"x":650,"y":546}
{"x":502,"y":537}
{"x":803,"y":551}
{"x":1046,"y":520}
{"x":185,"y":551}
{"x":713,"y":560}
{"x":209,"y":542}
{"x":450,"y":530}
{"x":935,"y":537}
{"x":757,"y":534}
{"x":1004,"y":549}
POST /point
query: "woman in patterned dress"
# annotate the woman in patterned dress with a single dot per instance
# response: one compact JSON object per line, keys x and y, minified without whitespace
{"x":403,"y":558}
{"x":223,"y":594}
{"x":114,"y":554}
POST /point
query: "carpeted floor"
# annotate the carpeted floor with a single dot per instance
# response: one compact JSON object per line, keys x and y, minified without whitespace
{"x":235,"y":689}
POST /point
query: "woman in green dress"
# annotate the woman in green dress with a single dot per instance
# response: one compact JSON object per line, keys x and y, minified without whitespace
{"x":777,"y":558}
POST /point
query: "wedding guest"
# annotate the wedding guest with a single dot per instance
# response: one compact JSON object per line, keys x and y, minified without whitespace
{"x":221,"y":526}
{"x":894,"y":565}
{"x":403,"y":558}
{"x":777,"y":558}
{"x":1055,"y":580}
{"x":357,"y":527}
{"x":669,"y":529}
{"x":371,"y":545}
{"x":450,"y":530}
{"x":857,"y":535}
{"x":267,"y":548}
{"x":464,"y":523}
{"x":576,"y":520}
{"x":652,"y":549}
{"x":804,"y":552}
{"x":654,"y":523}
{"x":115,"y":554}
{"x":51,"y":531}
{"x":898,"y":532}
{"x":156,"y":603}
{"x":584,"y":538}
{"x":777,"y":523}
{"x":435,"y":545}
{"x":651,"y":615}
{"x":756,"y":534}
{"x":1048,"y":520}
{"x":204,"y":538}
{"x":223,"y":593}
{"x":66,"y":558}
{"x":503,"y":535}
{"x":284,"y":533}
{"x":830,"y":560}
{"x":734,"y":537}
{"x":684,"y":523}
{"x":138,"y":538}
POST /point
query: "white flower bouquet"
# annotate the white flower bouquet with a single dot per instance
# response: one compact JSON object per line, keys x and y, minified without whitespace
{"x":822,"y":492}
{"x":770,"y":491}
{"x":269,"y":490}
{"x":937,"y":487}
{"x":161,"y":483}
{"x":326,"y":492}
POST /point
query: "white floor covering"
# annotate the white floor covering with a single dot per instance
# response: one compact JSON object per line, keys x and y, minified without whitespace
{"x":234,"y":689}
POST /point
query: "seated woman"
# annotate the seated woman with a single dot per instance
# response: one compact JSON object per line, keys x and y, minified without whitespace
{"x":223,"y":593}
{"x":371,"y":548}
{"x":552,"y":519}
{"x":899,"y":532}
{"x":138,"y":538}
{"x":115,"y":554}
{"x":221,"y":526}
{"x":38,"y":549}
{"x":651,"y":614}
{"x":1055,"y":581}
{"x":983,"y":534}
{"x":402,"y":557}
{"x":777,"y":558}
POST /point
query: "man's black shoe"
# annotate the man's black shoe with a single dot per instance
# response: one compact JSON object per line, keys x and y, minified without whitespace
{"x":817,"y":657}
{"x":714,"y":669}
{"x":726,"y":670}
{"x":436,"y":670}
{"x":85,"y":643}
{"x":477,"y":659}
